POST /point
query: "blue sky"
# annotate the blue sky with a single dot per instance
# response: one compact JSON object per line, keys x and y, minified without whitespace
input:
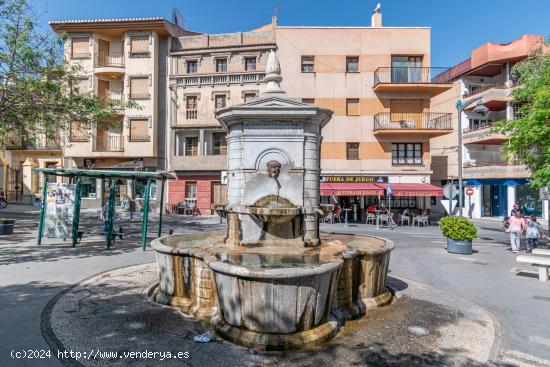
{"x":457,"y":26}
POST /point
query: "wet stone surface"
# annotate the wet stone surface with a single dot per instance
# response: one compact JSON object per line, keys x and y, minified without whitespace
{"x":110,"y":312}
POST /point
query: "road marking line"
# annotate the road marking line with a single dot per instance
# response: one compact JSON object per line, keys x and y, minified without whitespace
{"x":523,"y":359}
{"x":466,"y":258}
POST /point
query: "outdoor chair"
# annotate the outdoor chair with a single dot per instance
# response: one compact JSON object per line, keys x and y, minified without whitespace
{"x":405,"y":217}
{"x":422,"y":220}
{"x":384,"y":218}
{"x":371,"y":217}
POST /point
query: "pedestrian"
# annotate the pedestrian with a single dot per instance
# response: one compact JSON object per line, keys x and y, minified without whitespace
{"x":533,"y":231}
{"x":514,"y":210}
{"x":516,"y":227}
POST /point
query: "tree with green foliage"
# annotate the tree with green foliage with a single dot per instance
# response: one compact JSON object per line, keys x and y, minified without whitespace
{"x":529,"y":131}
{"x":37,"y":97}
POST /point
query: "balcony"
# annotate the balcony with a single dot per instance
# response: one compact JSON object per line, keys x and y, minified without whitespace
{"x":191,"y":114}
{"x":109,"y":63}
{"x":410,"y":123}
{"x":139,"y":138}
{"x":411,"y":79}
{"x":112,"y":98}
{"x":483,"y":133}
{"x":42,"y":147}
{"x":494,"y":97}
{"x":220,"y":79}
{"x":108,"y":143}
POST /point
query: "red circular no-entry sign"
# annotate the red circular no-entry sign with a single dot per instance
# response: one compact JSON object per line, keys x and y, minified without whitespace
{"x":469,"y":191}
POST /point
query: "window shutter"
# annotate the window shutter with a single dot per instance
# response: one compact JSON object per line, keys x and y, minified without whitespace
{"x":139,"y":44}
{"x":352,"y":107}
{"x":80,"y":47}
{"x":139,"y":87}
{"x":139,"y":128}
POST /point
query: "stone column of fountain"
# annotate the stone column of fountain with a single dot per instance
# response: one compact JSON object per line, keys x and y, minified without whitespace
{"x":273,"y":147}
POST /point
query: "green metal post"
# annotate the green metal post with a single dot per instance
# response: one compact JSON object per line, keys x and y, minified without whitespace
{"x":42,"y":210}
{"x":76,"y":212}
{"x":145,"y":216}
{"x":111,"y":212}
{"x":161,"y":208}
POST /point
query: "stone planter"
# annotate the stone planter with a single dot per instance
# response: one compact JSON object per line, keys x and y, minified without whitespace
{"x":275,"y":308}
{"x":6,"y":226}
{"x":185,"y":278}
{"x":463,"y":247}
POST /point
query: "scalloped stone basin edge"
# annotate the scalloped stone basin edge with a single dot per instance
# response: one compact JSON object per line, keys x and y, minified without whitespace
{"x":274,"y":215}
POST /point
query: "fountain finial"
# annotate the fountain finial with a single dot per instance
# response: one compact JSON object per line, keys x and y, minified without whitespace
{"x":273,"y":75}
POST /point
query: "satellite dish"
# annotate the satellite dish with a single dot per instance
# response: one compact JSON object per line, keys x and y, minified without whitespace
{"x":177,"y":18}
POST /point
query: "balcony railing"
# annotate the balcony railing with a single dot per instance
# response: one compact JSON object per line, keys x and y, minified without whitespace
{"x":139,"y":54}
{"x":191,"y":114}
{"x":47,"y":146}
{"x":199,"y":80}
{"x":80,"y":56}
{"x":111,"y":143}
{"x":412,"y":121}
{"x":139,"y":138}
{"x":482,"y":125}
{"x":113,"y":98}
{"x":139,"y":96}
{"x":79,"y":138}
{"x":476,"y":89}
{"x":409,"y":75}
{"x":109,"y":59}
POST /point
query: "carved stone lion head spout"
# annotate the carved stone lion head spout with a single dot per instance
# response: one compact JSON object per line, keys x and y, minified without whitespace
{"x":273,"y":169}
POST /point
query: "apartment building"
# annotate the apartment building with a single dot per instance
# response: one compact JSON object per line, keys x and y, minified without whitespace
{"x":378,"y":81}
{"x":209,"y":72}
{"x":122,"y":60}
{"x":485,"y":77}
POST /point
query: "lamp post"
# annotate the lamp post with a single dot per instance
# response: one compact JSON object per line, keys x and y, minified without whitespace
{"x":460,"y":107}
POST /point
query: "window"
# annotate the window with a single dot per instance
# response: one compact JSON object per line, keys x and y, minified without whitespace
{"x":352,"y":150}
{"x":191,"y":67}
{"x":79,"y":131}
{"x":180,"y":144}
{"x":406,"y":69}
{"x":308,"y":64}
{"x":352,"y":64}
{"x":89,"y":187}
{"x":352,"y":107}
{"x":249,"y":97}
{"x":191,"y":146}
{"x":406,"y":153}
{"x":139,"y":88}
{"x":80,"y":48}
{"x":140,"y":185}
{"x":139,"y":46}
{"x":139,"y":130}
{"x":250,"y":64}
{"x":220,"y":101}
{"x":308,"y":100}
{"x":221,"y":65}
{"x":191,"y":107}
{"x":191,"y":190}
{"x":219,"y":144}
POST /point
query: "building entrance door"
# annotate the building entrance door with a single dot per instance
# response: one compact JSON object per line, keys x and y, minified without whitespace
{"x":486,"y":195}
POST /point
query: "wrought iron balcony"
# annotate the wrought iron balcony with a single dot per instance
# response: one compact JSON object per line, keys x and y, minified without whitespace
{"x":410,"y":75}
{"x":109,"y":59}
{"x":139,"y":138}
{"x":411,"y":121}
{"x":108,"y":143}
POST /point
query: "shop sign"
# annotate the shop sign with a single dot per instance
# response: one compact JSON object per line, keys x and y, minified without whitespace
{"x":354,"y":179}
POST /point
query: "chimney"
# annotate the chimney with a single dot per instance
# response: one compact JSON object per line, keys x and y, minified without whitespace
{"x":376,"y":18}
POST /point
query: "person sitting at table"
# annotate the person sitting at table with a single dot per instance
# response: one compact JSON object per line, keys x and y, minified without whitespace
{"x":372,"y":208}
{"x":337,"y":212}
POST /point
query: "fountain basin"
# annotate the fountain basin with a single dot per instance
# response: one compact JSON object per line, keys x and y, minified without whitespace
{"x":276,"y":301}
{"x":327,"y":209}
{"x":277,"y":215}
{"x":184,"y":276}
{"x":220,"y":210}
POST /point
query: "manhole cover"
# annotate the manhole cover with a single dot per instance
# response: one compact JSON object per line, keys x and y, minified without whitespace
{"x":418,"y":330}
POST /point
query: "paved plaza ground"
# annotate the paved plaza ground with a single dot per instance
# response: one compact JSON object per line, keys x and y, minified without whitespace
{"x":31,"y":276}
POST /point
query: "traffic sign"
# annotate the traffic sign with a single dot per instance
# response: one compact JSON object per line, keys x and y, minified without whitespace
{"x":469,"y":191}
{"x":450,"y":191}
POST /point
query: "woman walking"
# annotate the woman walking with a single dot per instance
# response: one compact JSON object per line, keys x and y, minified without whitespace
{"x":533,"y":231}
{"x":516,"y":227}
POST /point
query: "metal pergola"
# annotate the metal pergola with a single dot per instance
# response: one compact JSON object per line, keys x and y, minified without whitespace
{"x":112,"y":176}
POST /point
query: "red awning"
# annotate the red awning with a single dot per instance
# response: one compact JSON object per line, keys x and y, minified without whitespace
{"x":414,"y":189}
{"x":351,"y":189}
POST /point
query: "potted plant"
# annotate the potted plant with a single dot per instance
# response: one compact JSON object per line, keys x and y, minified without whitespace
{"x":6,"y":225}
{"x":460,"y":233}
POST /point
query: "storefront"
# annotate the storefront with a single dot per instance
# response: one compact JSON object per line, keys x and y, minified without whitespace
{"x":199,"y":190}
{"x":360,"y":192}
{"x":496,"y":197}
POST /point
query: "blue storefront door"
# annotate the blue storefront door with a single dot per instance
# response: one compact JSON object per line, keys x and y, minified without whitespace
{"x":499,"y":200}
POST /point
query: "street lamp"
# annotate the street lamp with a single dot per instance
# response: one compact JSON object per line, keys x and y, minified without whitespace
{"x":479,"y":108}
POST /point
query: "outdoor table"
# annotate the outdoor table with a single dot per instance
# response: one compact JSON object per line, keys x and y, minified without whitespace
{"x":346,"y":210}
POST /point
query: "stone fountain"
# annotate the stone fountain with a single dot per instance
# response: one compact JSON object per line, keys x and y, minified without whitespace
{"x":271,"y":281}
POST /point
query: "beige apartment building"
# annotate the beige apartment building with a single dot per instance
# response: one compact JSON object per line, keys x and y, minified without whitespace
{"x":378,"y":81}
{"x":485,"y":78}
{"x":122,"y":60}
